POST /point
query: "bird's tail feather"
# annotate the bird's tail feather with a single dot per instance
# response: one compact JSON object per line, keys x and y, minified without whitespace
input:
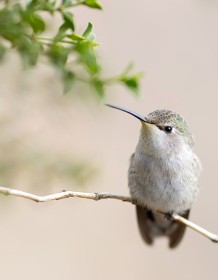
{"x":147,"y":222}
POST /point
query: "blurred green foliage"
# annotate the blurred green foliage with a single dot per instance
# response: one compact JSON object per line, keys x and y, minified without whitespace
{"x":22,"y":28}
{"x":23,"y":161}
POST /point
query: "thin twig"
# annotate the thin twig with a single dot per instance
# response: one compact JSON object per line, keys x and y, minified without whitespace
{"x":213,"y":237}
{"x":63,"y":195}
{"x":98,"y":196}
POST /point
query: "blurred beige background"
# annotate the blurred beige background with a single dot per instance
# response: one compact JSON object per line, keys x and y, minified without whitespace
{"x":175,"y":43}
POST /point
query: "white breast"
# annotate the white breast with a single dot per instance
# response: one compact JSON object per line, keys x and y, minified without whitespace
{"x":165,"y":183}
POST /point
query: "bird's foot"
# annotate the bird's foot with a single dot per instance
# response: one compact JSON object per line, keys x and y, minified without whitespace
{"x":134,"y":201}
{"x":169,"y":215}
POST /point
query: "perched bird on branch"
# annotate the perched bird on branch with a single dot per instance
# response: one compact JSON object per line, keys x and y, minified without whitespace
{"x":163,"y":174}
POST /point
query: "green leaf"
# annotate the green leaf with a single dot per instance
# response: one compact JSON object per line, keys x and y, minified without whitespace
{"x":76,"y":37}
{"x":87,"y":56}
{"x":132,"y":82}
{"x":99,"y":87}
{"x":68,"y":80}
{"x":67,"y":3}
{"x":68,"y":19}
{"x":58,"y":55}
{"x":93,"y":4}
{"x":35,"y":51}
{"x":37,"y":24}
{"x":10,"y":23}
{"x":61,"y":34}
{"x":89,"y":35}
{"x":90,"y":3}
{"x":68,"y":24}
{"x":88,"y":30}
{"x":29,"y":50}
{"x":35,"y":21}
{"x":42,"y":5}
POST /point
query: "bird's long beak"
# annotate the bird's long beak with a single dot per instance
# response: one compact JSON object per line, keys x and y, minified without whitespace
{"x":138,"y":116}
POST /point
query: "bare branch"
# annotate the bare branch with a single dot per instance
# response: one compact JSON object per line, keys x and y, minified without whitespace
{"x":213,"y":237}
{"x":63,"y":195}
{"x":98,"y":196}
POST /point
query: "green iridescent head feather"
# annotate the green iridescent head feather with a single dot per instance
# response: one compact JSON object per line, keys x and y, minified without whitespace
{"x":167,"y":117}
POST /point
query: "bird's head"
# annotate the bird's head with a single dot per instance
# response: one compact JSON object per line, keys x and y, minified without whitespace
{"x":162,"y":131}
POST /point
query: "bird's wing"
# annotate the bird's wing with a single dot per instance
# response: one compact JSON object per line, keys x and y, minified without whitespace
{"x":143,"y":216}
{"x":176,"y":236}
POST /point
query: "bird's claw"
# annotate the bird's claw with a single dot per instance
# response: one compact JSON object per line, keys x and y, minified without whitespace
{"x":169,"y":215}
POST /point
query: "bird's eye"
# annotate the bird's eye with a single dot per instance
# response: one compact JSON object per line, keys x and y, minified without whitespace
{"x":168,"y":129}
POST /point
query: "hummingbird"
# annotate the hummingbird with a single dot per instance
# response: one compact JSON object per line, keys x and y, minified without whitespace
{"x":163,"y":174}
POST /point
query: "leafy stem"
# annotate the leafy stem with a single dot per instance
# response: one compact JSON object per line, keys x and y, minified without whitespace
{"x":23,"y":26}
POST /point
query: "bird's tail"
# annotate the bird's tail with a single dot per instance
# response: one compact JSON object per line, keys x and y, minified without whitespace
{"x":151,"y":225}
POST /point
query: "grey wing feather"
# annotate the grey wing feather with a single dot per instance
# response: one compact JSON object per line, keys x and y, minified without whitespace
{"x":144,"y":228}
{"x":176,"y":236}
{"x":142,"y":217}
